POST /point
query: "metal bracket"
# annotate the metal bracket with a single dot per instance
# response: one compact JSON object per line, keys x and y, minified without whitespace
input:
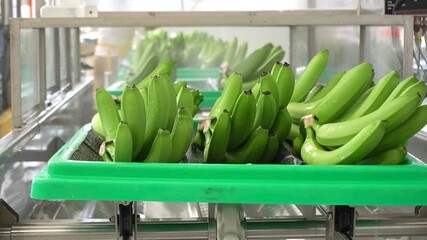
{"x":341,"y":222}
{"x":126,"y":220}
{"x":212,"y":224}
{"x":8,"y":216}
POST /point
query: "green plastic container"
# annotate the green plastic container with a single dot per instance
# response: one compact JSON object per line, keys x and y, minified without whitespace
{"x":221,"y":183}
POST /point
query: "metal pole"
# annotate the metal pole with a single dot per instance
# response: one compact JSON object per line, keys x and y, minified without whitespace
{"x":15,"y":62}
{"x":68,"y":62}
{"x":77,"y":70}
{"x":42,"y":68}
{"x":408,"y":46}
{"x":56,"y":60}
{"x":362,"y":43}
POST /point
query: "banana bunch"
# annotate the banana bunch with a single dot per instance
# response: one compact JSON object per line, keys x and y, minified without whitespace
{"x":351,"y":120}
{"x":150,"y":122}
{"x":248,"y":125}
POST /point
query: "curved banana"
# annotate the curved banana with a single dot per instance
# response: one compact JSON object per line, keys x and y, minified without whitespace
{"x":230,"y":51}
{"x":313,"y":92}
{"x":123,"y":143}
{"x":276,"y":54}
{"x":182,"y":133}
{"x":108,"y":113}
{"x":402,"y":86}
{"x":297,"y":143}
{"x":240,"y":55}
{"x":229,"y":95}
{"x":267,"y":83}
{"x":252,"y":149}
{"x":298,"y":110}
{"x":271,"y":149}
{"x":163,"y":68}
{"x":403,"y":132}
{"x":350,"y":153}
{"x":216,"y":146}
{"x":328,"y":87}
{"x":133,"y":112}
{"x":344,"y":94}
{"x":156,"y":115}
{"x":143,"y":69}
{"x":256,"y":89}
{"x":184,"y":98}
{"x":294,"y":132}
{"x":161,"y":148}
{"x":390,"y":157}
{"x":282,"y":124}
{"x":170,"y":96}
{"x":144,"y":94}
{"x":376,"y":97}
{"x":417,"y":88}
{"x":275,"y":70}
{"x":250,"y":64}
{"x":310,"y":75}
{"x":394,"y":113}
{"x":179,"y":85}
{"x":242,"y":118}
{"x":266,"y":111}
{"x":97,"y":126}
{"x":285,"y":81}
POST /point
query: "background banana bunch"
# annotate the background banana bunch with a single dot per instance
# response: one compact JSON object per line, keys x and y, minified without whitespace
{"x":247,"y":126}
{"x":199,"y":50}
{"x":149,"y":122}
{"x":351,"y":120}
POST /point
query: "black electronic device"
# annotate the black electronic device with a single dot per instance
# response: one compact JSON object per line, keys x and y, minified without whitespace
{"x":409,"y":7}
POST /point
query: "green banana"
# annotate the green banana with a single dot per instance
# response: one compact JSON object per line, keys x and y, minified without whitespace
{"x":184,"y":98}
{"x":240,"y":55}
{"x":275,"y":70}
{"x":256,"y":89}
{"x":282,"y":124}
{"x":144,"y":68}
{"x":276,"y":54}
{"x":242,"y":118}
{"x":179,"y":85}
{"x":375,"y":99}
{"x":97,"y":126}
{"x":298,"y":110}
{"x":266,"y":111}
{"x":293,"y":132}
{"x":403,"y":132}
{"x":310,"y":75}
{"x":133,"y":111}
{"x":216,"y":146}
{"x":267,"y":83}
{"x":144,"y":94}
{"x":252,"y":149}
{"x":157,"y":117}
{"x":123,"y":143}
{"x":138,"y":53}
{"x":170,"y":96}
{"x":417,"y":88}
{"x":344,"y":94}
{"x":108,"y":113}
{"x":285,"y":81}
{"x":352,"y":152}
{"x":161,"y":148}
{"x":316,"y":89}
{"x":327,"y":88}
{"x":390,"y":157}
{"x":229,"y":95}
{"x":271,"y":149}
{"x":394,"y":113}
{"x":251,"y":63}
{"x":163,"y":68}
{"x":402,"y":86}
{"x":230,"y":50}
{"x":297,"y":143}
{"x":182,"y":133}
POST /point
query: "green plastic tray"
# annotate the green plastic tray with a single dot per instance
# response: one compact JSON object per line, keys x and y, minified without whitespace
{"x":221,"y":183}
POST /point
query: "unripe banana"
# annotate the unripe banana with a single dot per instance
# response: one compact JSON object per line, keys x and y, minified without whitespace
{"x":403,"y":132}
{"x":143,"y":69}
{"x":133,"y":111}
{"x":390,"y":157}
{"x":232,"y":90}
{"x":108,"y":113}
{"x":161,"y":148}
{"x":276,"y":54}
{"x":298,"y":110}
{"x":297,"y":143}
{"x":394,"y":113}
{"x":163,"y":68}
{"x":182,"y":134}
{"x":402,"y":86}
{"x":197,"y":97}
{"x":216,"y":146}
{"x":266,"y":111}
{"x":144,"y":94}
{"x":256,"y":89}
{"x":316,"y":89}
{"x":123,"y":143}
{"x":230,"y":51}
{"x":199,"y":140}
{"x":242,"y":118}
{"x":282,"y":124}
{"x":294,"y":132}
{"x":240,"y":55}
{"x":419,"y":88}
{"x":184,"y":98}
{"x":275,"y":70}
{"x":344,"y":94}
{"x":169,"y":96}
{"x":310,"y":75}
{"x":267,"y":83}
{"x":250,"y":64}
{"x":252,"y":150}
{"x":97,"y":126}
{"x":156,"y":115}
{"x":179,"y":85}
{"x":271,"y":149}
{"x":352,"y":152}
{"x":285,"y":82}
{"x":375,"y":99}
{"x":328,"y":87}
